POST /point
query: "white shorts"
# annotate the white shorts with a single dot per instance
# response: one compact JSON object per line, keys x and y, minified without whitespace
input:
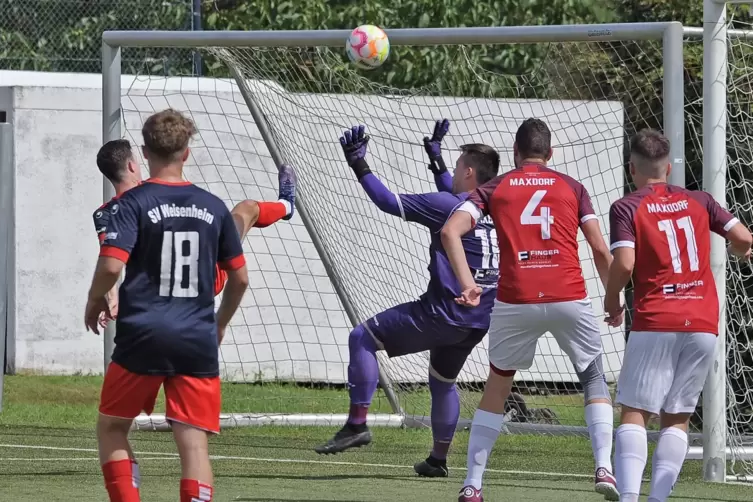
{"x":516,"y":328}
{"x":665,"y":371}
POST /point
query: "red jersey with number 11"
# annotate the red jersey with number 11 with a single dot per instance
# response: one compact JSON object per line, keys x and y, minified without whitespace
{"x":670,"y":229}
{"x":536,"y":212}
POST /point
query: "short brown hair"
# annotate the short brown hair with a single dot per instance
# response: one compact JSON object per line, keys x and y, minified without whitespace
{"x":167,"y":134}
{"x":113,"y":158}
{"x":533,"y":139}
{"x":483,"y":159}
{"x":649,"y":152}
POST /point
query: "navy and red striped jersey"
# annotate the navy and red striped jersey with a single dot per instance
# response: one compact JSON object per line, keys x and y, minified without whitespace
{"x":171,"y":237}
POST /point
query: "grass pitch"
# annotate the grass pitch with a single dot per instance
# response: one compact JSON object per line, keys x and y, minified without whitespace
{"x":48,"y":453}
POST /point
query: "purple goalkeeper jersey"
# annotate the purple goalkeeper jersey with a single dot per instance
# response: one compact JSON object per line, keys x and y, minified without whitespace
{"x":432,"y":210}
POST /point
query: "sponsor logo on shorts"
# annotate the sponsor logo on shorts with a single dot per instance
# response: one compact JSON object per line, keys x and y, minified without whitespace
{"x":111,"y":235}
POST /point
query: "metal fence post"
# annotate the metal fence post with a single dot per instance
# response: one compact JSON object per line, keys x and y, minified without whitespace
{"x":6,"y":240}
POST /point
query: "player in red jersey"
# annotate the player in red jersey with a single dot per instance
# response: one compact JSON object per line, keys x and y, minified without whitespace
{"x":169,"y":235}
{"x":661,"y":235}
{"x":537,"y":213}
{"x":117,"y":163}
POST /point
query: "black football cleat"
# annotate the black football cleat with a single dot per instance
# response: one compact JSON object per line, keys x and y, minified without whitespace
{"x":431,"y":468}
{"x":346,"y":438}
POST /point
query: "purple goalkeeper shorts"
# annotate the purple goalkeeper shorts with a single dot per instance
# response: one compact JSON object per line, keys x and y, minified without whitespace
{"x":409,"y":328}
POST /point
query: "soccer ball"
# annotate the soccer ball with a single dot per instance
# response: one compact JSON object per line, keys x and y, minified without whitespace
{"x":367,"y":46}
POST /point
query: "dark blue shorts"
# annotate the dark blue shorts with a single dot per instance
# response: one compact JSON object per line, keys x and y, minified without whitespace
{"x":409,"y":329}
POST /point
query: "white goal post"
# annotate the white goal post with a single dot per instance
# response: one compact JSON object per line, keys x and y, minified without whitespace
{"x":231,"y":47}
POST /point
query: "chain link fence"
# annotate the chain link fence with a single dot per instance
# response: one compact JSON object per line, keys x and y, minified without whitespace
{"x":66,"y":35}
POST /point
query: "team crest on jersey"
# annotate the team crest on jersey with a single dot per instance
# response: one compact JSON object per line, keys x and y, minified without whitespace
{"x":114,"y":209}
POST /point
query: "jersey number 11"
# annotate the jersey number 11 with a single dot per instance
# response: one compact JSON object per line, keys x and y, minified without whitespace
{"x":186,"y":263}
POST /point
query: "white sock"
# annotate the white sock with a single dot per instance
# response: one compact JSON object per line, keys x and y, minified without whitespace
{"x":600,"y":421}
{"x":288,"y":207}
{"x":484,"y":432}
{"x":668,"y":458}
{"x":631,"y":453}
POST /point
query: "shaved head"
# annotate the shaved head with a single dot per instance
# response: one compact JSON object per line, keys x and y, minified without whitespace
{"x":649,"y":154}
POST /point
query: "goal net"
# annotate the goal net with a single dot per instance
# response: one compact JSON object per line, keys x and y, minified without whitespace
{"x":289,"y":339}
{"x":340,"y":260}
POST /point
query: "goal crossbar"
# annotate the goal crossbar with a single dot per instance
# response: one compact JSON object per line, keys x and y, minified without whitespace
{"x":401,"y":36}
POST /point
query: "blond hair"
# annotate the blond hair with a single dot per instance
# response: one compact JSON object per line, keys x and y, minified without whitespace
{"x":167,"y":134}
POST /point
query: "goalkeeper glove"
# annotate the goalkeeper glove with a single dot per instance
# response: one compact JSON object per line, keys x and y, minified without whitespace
{"x":433,"y":147}
{"x":354,"y":143}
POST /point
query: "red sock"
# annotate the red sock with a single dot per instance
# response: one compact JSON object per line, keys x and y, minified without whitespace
{"x":122,"y":481}
{"x":194,"y":491}
{"x":269,"y":213}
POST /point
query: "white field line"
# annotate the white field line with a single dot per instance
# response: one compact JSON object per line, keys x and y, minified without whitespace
{"x":164,"y":456}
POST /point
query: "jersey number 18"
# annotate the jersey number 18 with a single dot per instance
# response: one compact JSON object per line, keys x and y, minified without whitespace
{"x":186,"y":263}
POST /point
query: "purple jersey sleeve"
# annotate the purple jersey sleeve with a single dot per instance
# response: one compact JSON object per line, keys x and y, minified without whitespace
{"x":443,"y":182}
{"x":621,"y":223}
{"x":122,"y":229}
{"x":720,"y":220}
{"x":428,"y":209}
{"x":230,"y":250}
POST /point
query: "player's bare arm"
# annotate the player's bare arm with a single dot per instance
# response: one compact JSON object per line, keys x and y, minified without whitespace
{"x":620,"y":272}
{"x":237,"y":284}
{"x":740,"y":240}
{"x":105,"y":277}
{"x":459,"y":224}
{"x":602,"y":257}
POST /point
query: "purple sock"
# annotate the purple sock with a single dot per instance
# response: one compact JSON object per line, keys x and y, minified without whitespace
{"x":363,"y":374}
{"x":445,"y":412}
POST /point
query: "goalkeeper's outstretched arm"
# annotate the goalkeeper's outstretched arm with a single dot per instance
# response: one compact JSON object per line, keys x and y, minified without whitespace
{"x":430,"y":210}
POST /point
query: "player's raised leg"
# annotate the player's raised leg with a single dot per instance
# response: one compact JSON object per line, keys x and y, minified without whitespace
{"x":404,"y":329}
{"x":282,"y":209}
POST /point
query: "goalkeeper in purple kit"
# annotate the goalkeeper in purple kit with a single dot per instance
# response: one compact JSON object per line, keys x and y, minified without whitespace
{"x":434,"y":322}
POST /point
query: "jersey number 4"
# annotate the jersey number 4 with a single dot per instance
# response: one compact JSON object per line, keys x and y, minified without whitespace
{"x":184,"y":279}
{"x":544,"y":219}
{"x":686,"y":225}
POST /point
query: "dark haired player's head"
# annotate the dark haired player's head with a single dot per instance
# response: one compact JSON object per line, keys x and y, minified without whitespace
{"x":533,"y":143}
{"x":166,"y":138}
{"x":649,"y":158}
{"x":116,"y":162}
{"x":476,"y":165}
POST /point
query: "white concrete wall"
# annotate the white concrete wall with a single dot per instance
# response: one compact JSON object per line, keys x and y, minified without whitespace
{"x":291,"y":324}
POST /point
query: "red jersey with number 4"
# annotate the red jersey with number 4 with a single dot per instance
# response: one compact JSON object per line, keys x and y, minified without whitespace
{"x":670,"y":229}
{"x":536,"y":212}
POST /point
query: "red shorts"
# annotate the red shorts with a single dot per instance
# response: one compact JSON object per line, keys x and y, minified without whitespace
{"x":189,"y":400}
{"x":220,"y":278}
